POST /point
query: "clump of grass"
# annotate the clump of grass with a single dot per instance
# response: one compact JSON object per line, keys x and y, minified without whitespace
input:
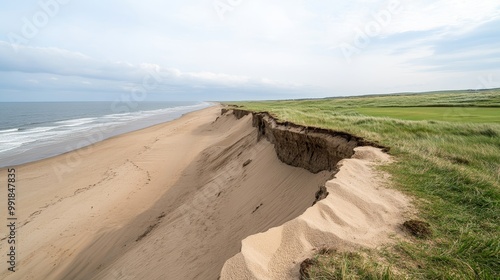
{"x":334,"y":265}
{"x":451,"y":168}
{"x":489,"y":132}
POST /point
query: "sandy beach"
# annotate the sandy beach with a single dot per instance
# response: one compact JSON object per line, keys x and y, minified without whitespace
{"x":173,"y":201}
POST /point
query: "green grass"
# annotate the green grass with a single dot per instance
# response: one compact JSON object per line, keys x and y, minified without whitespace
{"x":448,"y":161}
{"x":348,"y":265}
{"x":449,"y":114}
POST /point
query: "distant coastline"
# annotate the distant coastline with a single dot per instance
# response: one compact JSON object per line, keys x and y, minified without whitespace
{"x":35,"y":131}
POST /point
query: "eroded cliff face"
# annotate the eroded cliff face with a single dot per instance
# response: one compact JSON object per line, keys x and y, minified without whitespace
{"x":314,"y":149}
{"x":351,"y":210}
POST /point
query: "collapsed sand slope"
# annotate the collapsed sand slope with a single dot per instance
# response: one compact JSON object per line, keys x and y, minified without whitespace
{"x":235,"y":188}
{"x":358,"y":211}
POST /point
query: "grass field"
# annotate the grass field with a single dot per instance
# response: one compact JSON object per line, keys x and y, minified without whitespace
{"x":449,"y":114}
{"x":447,"y":147}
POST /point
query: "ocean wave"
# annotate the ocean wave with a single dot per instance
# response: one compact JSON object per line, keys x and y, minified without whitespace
{"x":9,"y":130}
{"x":76,"y":122}
{"x":4,"y":147}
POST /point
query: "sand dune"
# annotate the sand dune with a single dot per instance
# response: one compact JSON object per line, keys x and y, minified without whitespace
{"x":175,"y":201}
{"x":358,"y":211}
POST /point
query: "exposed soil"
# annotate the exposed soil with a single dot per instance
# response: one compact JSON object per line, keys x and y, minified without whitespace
{"x":304,"y":268}
{"x":321,"y":194}
{"x":312,"y":148}
{"x":418,"y":228}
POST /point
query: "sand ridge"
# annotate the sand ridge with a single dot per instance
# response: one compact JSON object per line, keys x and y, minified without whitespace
{"x":359,"y":211}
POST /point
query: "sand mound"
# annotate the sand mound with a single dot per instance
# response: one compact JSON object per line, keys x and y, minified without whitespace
{"x":357,"y":211}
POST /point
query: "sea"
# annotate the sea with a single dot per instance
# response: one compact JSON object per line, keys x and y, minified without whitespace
{"x":38,"y":130}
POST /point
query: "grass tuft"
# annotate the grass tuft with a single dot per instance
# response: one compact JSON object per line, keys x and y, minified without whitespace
{"x":489,"y":132}
{"x":346,"y":266}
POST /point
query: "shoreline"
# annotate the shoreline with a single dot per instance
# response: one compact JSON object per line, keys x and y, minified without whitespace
{"x":96,"y":136}
{"x":64,"y":203}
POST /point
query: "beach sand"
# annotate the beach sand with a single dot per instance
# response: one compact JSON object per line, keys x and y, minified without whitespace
{"x":173,"y":201}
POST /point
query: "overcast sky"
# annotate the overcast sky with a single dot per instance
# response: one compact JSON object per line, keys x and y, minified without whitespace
{"x":244,"y":49}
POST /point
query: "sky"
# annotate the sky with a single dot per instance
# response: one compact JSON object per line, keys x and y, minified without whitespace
{"x":69,"y":50}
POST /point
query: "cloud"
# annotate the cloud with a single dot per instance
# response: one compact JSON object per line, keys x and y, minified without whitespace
{"x":474,"y":50}
{"x":60,"y":69}
{"x":262,"y":49}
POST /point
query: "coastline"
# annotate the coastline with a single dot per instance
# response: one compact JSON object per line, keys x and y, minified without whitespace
{"x":65,"y":201}
{"x":103,"y":131}
{"x":172,"y":201}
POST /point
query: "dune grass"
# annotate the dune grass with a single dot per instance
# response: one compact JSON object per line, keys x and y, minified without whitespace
{"x":449,"y":164}
{"x":448,"y":114}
